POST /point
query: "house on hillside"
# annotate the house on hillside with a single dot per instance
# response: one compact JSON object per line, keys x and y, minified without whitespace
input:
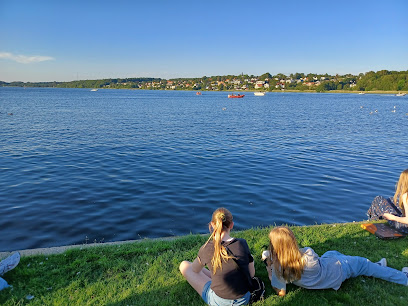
{"x":259,"y":84}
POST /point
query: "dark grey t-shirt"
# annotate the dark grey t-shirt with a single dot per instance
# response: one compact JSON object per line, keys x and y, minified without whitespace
{"x":229,"y":282}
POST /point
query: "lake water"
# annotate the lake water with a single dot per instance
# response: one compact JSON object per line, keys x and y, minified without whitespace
{"x":78,"y":166}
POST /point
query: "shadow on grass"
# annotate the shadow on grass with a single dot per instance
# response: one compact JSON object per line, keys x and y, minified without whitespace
{"x":178,"y":294}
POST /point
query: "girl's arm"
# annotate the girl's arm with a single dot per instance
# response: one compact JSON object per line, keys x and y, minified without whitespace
{"x":399,"y":219}
{"x":280,"y":292}
{"x":278,"y":284}
{"x":395,"y":218}
{"x":272,"y":277}
{"x":197,"y":266}
{"x":251,"y":267}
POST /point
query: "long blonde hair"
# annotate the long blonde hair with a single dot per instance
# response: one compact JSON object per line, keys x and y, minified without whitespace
{"x":401,"y":188}
{"x":221,"y":221}
{"x":286,"y":257}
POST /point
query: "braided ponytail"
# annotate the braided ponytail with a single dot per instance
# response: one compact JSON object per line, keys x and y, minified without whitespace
{"x":220,"y":222}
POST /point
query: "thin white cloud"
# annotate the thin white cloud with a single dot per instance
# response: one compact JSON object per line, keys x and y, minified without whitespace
{"x":23,"y":59}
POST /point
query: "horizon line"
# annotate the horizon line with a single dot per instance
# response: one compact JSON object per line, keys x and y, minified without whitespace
{"x":242,"y":74}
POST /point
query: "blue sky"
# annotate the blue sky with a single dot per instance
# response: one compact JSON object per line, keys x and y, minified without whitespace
{"x":66,"y":40}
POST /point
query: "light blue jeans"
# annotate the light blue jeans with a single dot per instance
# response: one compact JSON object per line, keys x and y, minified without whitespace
{"x":211,"y":298}
{"x":354,"y":266}
{"x":3,"y":284}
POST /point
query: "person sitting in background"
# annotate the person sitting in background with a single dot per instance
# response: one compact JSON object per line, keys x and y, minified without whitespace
{"x":6,"y":265}
{"x":394,"y":210}
{"x":224,"y":283}
{"x":286,"y":263}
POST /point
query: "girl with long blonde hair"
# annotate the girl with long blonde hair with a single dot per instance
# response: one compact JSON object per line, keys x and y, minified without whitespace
{"x":393,"y":209}
{"x":229,"y":263}
{"x":287,"y":263}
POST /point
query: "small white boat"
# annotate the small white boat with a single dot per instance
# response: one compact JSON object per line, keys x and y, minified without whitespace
{"x":259,"y":93}
{"x":361,"y":93}
{"x":94,"y":89}
{"x":400,"y":94}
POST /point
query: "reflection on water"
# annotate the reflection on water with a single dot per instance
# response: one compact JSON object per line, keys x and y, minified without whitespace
{"x":80,"y":166}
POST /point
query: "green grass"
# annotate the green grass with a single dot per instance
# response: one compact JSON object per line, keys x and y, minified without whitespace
{"x":146,"y":273}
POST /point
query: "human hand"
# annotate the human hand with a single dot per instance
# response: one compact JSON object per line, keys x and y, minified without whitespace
{"x":389,"y":216}
{"x":265,"y":255}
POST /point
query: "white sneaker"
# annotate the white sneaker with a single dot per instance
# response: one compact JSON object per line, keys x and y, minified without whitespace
{"x":405,"y":270}
{"x":382,"y":262}
{"x":9,"y":263}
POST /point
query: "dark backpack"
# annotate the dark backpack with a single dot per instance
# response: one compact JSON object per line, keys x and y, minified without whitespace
{"x":257,"y":290}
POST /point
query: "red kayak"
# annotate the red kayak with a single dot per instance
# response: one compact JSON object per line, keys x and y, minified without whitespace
{"x":235,"y":96}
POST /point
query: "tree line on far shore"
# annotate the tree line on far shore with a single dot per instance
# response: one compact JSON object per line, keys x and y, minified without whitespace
{"x":383,"y":80}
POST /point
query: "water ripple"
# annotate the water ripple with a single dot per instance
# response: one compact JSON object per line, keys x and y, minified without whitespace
{"x":76,"y":167}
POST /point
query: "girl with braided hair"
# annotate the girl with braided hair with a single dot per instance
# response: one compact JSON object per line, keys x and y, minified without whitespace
{"x":229,"y":263}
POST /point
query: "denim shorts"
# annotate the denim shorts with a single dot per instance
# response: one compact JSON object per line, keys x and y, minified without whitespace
{"x":211,"y":298}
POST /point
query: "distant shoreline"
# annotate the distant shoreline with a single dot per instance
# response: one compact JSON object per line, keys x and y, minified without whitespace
{"x":384,"y":92}
{"x":392,"y":92}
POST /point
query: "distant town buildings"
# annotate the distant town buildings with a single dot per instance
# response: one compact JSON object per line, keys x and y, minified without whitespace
{"x":265,"y":82}
{"x":238,"y":83}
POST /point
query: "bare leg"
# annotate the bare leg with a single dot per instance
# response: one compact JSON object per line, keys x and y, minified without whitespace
{"x":196,"y":280}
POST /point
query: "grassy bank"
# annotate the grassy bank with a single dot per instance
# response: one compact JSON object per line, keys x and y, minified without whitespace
{"x":146,"y":273}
